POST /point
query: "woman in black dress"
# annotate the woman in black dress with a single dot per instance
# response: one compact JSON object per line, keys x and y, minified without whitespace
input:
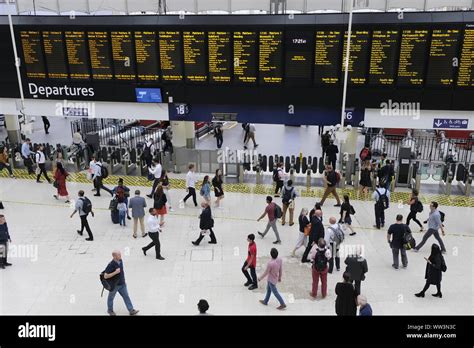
{"x":346,"y":211}
{"x":346,"y":297}
{"x":434,"y":270}
{"x":365,"y":180}
{"x":218,"y":191}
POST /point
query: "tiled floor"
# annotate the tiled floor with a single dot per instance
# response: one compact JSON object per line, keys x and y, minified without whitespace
{"x":57,"y":272}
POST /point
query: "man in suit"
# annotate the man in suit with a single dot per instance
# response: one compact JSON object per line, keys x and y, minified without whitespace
{"x":317,"y":231}
{"x":138,"y":204}
{"x":206,"y":223}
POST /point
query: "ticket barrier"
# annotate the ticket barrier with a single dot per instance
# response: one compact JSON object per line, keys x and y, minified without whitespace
{"x":464,"y":177}
{"x":415,"y":178}
{"x":447,"y":178}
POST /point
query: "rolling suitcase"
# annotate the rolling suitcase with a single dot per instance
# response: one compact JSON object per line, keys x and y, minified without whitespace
{"x":115,"y":216}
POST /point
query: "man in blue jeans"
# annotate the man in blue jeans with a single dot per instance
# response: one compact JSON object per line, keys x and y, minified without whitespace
{"x":115,"y":269}
{"x":274,"y":272}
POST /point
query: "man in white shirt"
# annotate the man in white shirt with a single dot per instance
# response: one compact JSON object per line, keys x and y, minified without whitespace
{"x":250,"y":134}
{"x":153,"y":227}
{"x":381,"y":203}
{"x":156,"y":170}
{"x":333,"y":242}
{"x":97,"y":178}
{"x":40,"y":161}
{"x":26,"y":155}
{"x":191,"y":185}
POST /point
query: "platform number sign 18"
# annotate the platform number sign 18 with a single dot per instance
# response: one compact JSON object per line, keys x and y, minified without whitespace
{"x":182,"y":109}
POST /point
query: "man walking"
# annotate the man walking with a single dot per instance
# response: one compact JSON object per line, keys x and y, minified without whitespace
{"x":274,"y":272}
{"x":138,"y":205}
{"x":249,"y":134}
{"x":156,"y":171}
{"x":97,"y":178}
{"x":84,"y":207}
{"x":278,"y":177}
{"x":395,"y":239}
{"x":26,"y":154}
{"x":317,"y":232}
{"x":40,"y":161}
{"x":330,"y":180}
{"x":206,"y":223}
{"x":46,"y":124}
{"x":334,"y":237}
{"x":434,"y":224}
{"x":288,"y":201}
{"x":115,"y":269}
{"x":332,"y":152}
{"x":218,"y":133}
{"x":270,"y":211}
{"x":4,"y":240}
{"x":251,"y":263}
{"x":191,"y":185}
{"x":381,"y":196}
{"x":153,"y":226}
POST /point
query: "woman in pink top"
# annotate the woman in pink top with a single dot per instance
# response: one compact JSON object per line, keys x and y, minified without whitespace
{"x":273,"y":271}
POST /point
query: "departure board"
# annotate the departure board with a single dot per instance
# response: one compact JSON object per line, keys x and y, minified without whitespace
{"x":270,"y":57}
{"x":466,"y":63}
{"x":383,"y":57}
{"x":299,"y":57}
{"x":146,"y":55}
{"x":358,"y":57}
{"x":170,"y":55}
{"x":100,"y":55}
{"x":412,"y":58}
{"x":77,"y":57}
{"x":195,"y":57}
{"x":219,"y":56}
{"x":327,"y":55}
{"x":53,"y":43}
{"x":443,"y":50}
{"x":245,"y":57}
{"x":33,"y":54}
{"x":122,"y":55}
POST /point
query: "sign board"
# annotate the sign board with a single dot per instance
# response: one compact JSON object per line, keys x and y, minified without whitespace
{"x":148,"y":95}
{"x":224,"y":117}
{"x":450,"y":123}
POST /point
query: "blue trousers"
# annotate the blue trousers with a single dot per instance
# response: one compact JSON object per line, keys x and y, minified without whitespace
{"x":122,"y":290}
{"x":272,"y":288}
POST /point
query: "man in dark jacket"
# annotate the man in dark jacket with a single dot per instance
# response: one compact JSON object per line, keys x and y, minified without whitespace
{"x":206,"y":223}
{"x":325,"y":140}
{"x":330,"y":178}
{"x":357,"y":267}
{"x":317,"y":231}
{"x":332,"y":151}
{"x":4,"y":239}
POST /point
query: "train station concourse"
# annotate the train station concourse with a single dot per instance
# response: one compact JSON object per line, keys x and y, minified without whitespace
{"x":220,"y":166}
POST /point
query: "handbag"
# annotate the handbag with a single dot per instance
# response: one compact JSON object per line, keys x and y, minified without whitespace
{"x":56,"y":184}
{"x":307,"y":230}
{"x":38,"y":170}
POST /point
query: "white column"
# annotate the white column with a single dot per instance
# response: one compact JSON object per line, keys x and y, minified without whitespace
{"x":13,"y":128}
{"x":183,"y":134}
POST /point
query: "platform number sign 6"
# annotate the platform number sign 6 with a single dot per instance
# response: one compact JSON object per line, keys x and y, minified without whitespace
{"x":349,"y":115}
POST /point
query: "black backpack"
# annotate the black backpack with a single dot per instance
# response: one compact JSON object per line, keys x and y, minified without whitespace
{"x":275,"y":175}
{"x":442,"y":215}
{"x":382,"y":202}
{"x":320,"y":260}
{"x":288,"y":195}
{"x":408,"y":240}
{"x":146,"y":151}
{"x":278,"y":211}
{"x":108,"y":284}
{"x":418,"y":206}
{"x":86,"y":205}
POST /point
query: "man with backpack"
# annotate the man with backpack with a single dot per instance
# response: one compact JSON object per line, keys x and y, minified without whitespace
{"x":435,"y":222}
{"x":278,"y":176}
{"x":148,"y":151}
{"x":156,"y":171}
{"x":114,"y":270}
{"x":166,"y":137}
{"x":334,"y":237}
{"x":274,"y":212}
{"x":122,"y":194}
{"x":320,"y":255}
{"x":325,"y":140}
{"x":99,"y":174}
{"x":331,"y":179}
{"x":84,"y":208}
{"x":288,"y":201}
{"x":396,"y":239}
{"x":381,"y":196}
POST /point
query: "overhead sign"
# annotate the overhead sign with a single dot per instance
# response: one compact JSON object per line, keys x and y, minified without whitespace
{"x":451,"y":123}
{"x":148,"y":95}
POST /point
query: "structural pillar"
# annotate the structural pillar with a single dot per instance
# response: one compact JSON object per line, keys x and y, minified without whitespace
{"x":183,"y":134}
{"x":350,"y":143}
{"x":12,"y":124}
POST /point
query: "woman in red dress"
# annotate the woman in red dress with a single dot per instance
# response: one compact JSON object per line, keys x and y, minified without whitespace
{"x":60,"y":176}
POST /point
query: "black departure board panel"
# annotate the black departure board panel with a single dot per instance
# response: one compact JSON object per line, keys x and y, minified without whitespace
{"x":412,"y":58}
{"x":327,"y":55}
{"x":219,"y":56}
{"x":358,"y":57}
{"x":466,"y":63}
{"x":270,"y":57}
{"x":195,"y":57}
{"x":99,"y":47}
{"x":122,"y":55}
{"x":383,"y":57}
{"x":443,"y":50}
{"x":146,"y":53}
{"x":299,"y":57}
{"x":245,"y":57}
{"x":171,"y":56}
{"x":77,"y":55}
{"x":53,"y":43}
{"x":33,"y":54}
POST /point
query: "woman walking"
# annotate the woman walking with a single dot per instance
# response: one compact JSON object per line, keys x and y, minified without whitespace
{"x":218,"y":191}
{"x":165,"y":183}
{"x":346,"y":211}
{"x":206,"y":190}
{"x":365,"y":180}
{"x":159,"y":204}
{"x":60,"y":176}
{"x":414,"y":203}
{"x":302,"y":237}
{"x":435,"y":267}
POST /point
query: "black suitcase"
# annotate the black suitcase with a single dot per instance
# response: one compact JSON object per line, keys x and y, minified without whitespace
{"x":115,"y":216}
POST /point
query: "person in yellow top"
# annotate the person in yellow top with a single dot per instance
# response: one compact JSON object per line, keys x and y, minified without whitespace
{"x":4,"y":161}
